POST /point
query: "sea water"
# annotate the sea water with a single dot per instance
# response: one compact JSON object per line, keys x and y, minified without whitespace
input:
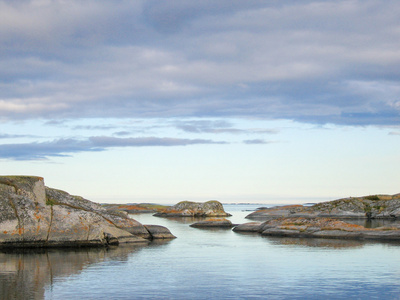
{"x":207,"y":264}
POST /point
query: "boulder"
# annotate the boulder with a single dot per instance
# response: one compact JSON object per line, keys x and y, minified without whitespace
{"x":248,"y":227}
{"x":159,"y":232}
{"x":213,"y":223}
{"x":194,"y":209}
{"x":32,"y":215}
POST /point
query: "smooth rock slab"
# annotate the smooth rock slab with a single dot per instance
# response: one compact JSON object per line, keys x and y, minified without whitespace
{"x":248,"y":227}
{"x":319,"y":228}
{"x":159,"y":232}
{"x":214,"y":223}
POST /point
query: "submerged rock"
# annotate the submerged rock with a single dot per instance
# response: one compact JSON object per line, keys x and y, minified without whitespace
{"x":319,"y":228}
{"x":32,"y":215}
{"x":213,"y":223}
{"x":367,"y":207}
{"x":194,"y":209}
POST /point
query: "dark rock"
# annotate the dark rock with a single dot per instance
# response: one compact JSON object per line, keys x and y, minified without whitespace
{"x":213,"y":223}
{"x":194,"y":209}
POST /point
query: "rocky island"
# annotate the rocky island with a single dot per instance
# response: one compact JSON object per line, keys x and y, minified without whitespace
{"x":33,"y":215}
{"x":326,"y":219}
{"x":318,"y":228}
{"x":366,"y":207}
{"x":194,"y":209}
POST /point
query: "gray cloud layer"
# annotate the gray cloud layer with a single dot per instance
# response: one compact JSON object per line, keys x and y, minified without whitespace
{"x":310,"y":61}
{"x":65,"y":147}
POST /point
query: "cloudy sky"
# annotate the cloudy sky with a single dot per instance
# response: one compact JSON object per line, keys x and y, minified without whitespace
{"x":239,"y":101}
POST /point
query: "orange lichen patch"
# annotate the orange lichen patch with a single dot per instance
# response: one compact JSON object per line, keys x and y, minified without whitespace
{"x":217,"y":219}
{"x":173,"y":211}
{"x":17,"y":231}
{"x":131,"y":207}
{"x":280,"y":208}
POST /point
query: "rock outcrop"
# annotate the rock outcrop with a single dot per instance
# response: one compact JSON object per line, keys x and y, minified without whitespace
{"x":319,"y":228}
{"x":213,"y":223}
{"x":32,"y":215}
{"x":137,"y":208}
{"x":367,"y":207}
{"x":194,"y":209}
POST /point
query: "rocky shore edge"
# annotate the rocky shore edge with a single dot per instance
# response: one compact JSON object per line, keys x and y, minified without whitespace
{"x":318,"y":228}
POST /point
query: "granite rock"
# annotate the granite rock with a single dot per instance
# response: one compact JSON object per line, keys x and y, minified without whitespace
{"x":213,"y":223}
{"x":159,"y":232}
{"x":194,"y":209}
{"x":366,"y":207}
{"x":32,"y":215}
{"x":319,"y":228}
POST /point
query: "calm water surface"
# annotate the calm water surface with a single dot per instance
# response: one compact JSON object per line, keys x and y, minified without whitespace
{"x":207,"y":264}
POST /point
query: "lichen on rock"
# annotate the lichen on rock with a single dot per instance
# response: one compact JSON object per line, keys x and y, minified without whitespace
{"x":319,"y":228}
{"x":213,"y":223}
{"x":32,"y":215}
{"x":366,"y":207}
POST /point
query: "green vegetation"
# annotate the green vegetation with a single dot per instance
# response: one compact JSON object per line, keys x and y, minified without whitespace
{"x":367,"y":208}
{"x":50,"y":201}
{"x":372,"y":197}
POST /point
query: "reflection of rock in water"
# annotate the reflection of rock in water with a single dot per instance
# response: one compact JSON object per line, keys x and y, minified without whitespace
{"x":324,"y":243}
{"x":26,"y":274}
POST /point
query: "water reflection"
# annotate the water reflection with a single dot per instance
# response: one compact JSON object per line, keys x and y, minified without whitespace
{"x":24,"y":274}
{"x":320,"y":243}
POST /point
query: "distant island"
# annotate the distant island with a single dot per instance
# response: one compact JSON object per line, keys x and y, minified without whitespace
{"x":366,"y":207}
{"x":326,"y":219}
{"x":212,"y":208}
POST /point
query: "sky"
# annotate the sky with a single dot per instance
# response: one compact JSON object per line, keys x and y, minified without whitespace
{"x":238,"y":101}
